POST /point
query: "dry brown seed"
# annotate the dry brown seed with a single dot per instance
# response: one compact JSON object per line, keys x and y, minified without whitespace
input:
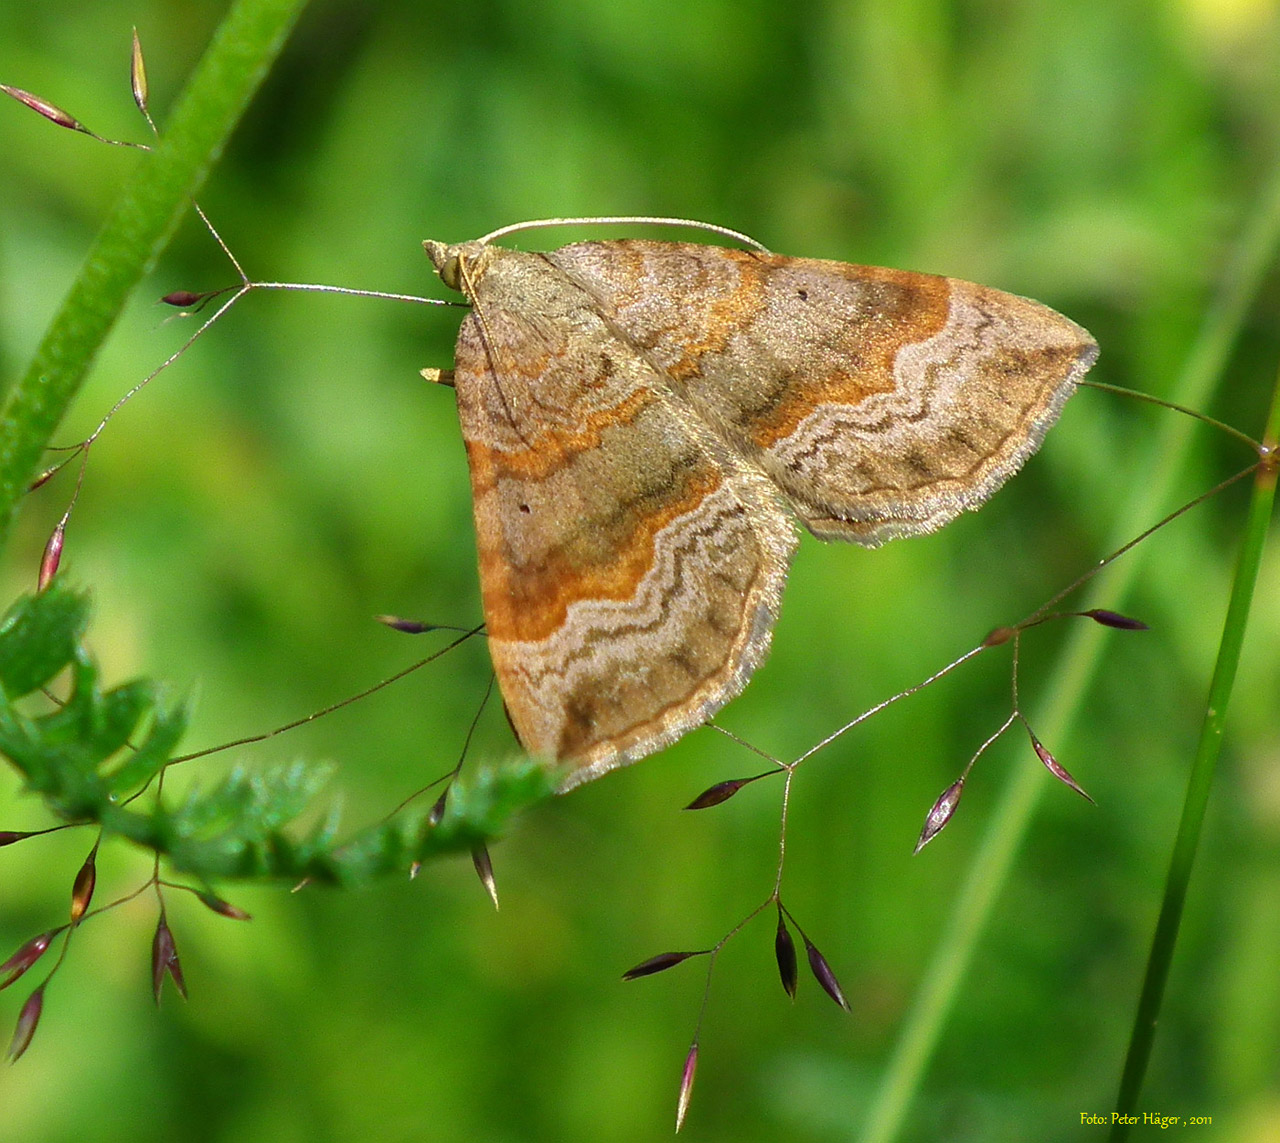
{"x":47,"y":474}
{"x":175,"y":971}
{"x":408,"y":626}
{"x":9,"y":836}
{"x":720,"y":792}
{"x":437,"y":810}
{"x":162,"y":948}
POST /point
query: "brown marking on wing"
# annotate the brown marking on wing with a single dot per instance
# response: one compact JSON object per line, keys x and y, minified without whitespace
{"x":529,"y":602}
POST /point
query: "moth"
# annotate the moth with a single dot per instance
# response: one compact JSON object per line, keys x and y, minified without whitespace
{"x":646,"y":421}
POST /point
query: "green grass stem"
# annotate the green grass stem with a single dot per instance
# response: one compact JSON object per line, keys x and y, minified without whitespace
{"x":1200,"y":784}
{"x":141,"y":223}
{"x":990,"y":869}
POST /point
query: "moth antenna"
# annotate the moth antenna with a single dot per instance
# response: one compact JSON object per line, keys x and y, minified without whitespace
{"x":213,"y":231}
{"x":1194,"y":414}
{"x":247,"y":284}
{"x":308,"y":287}
{"x":137,"y":388}
{"x":1124,"y":548}
{"x":628,"y":220}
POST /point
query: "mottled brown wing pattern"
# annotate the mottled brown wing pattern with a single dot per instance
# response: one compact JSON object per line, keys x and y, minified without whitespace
{"x":630,"y":566}
{"x":636,"y":414}
{"x":881,"y":402}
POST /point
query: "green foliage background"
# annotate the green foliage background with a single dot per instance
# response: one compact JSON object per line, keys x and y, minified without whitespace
{"x":292,"y":476}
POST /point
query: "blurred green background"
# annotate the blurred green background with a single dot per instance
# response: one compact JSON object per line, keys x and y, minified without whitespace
{"x":292,"y":476}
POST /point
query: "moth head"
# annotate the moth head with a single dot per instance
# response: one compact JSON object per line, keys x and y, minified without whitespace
{"x":458,"y":266}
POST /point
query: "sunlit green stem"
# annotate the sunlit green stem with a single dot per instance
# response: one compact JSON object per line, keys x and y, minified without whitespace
{"x":989,"y":871}
{"x":1201,"y":781}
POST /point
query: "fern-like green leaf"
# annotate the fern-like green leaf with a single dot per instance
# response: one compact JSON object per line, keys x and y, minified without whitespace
{"x":98,"y":745}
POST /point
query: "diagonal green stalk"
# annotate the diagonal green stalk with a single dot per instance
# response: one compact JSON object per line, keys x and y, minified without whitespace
{"x":1254,"y":253}
{"x":1201,"y":780}
{"x":141,"y":223}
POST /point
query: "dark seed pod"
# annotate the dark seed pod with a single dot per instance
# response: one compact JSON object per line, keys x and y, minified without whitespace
{"x":52,"y":556}
{"x":1115,"y":619}
{"x":28,"y":1018}
{"x":660,"y":963}
{"x":25,"y":957}
{"x":822,"y":973}
{"x":9,"y":836}
{"x":714,"y":795}
{"x":223,"y":908}
{"x":182,"y":299}
{"x":164,"y":959}
{"x":43,"y":107}
{"x":47,"y":475}
{"x":784,"y":949}
{"x":437,"y":810}
{"x":723,"y":791}
{"x":1055,"y":767}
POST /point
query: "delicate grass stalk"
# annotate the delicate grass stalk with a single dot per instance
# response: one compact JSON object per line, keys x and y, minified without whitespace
{"x":140,"y":224}
{"x":1201,"y":780}
{"x":989,"y":871}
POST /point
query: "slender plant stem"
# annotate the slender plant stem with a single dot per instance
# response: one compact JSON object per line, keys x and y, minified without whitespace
{"x":1201,"y":781}
{"x":989,"y":871}
{"x":139,"y":226}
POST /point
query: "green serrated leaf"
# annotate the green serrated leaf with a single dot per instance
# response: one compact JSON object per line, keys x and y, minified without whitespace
{"x":118,"y":714}
{"x":281,"y":795}
{"x":19,"y":740}
{"x":39,"y":635}
{"x":203,"y":810}
{"x":154,"y":752}
{"x":322,"y":836}
{"x":74,"y":721}
{"x":245,"y":826}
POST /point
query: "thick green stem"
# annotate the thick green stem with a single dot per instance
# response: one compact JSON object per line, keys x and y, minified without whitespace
{"x":143,"y":219}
